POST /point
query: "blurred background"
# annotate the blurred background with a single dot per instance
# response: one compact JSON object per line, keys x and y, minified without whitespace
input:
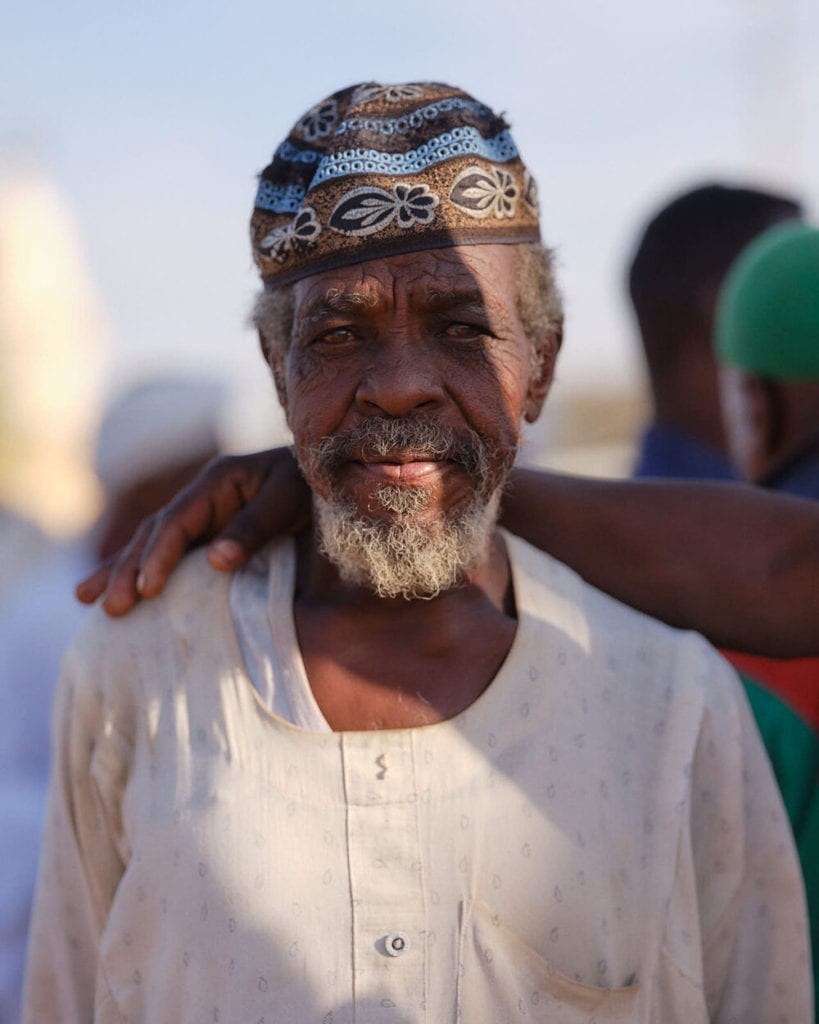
{"x":130,"y":136}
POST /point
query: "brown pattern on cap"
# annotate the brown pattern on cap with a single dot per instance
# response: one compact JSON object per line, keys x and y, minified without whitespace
{"x":376,"y":169}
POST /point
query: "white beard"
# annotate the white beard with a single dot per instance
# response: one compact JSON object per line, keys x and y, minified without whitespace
{"x":407,"y":555}
{"x":406,"y":558}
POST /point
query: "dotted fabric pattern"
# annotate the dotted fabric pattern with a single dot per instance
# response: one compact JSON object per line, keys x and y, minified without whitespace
{"x":597,"y":837}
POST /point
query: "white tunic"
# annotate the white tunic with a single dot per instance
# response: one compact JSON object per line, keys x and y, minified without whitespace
{"x":597,"y":838}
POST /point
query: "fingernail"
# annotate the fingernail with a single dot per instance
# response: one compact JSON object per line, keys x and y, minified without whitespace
{"x":225,"y":554}
{"x":141,"y":582}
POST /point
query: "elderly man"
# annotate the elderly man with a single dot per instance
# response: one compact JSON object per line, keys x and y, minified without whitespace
{"x":403,"y":767}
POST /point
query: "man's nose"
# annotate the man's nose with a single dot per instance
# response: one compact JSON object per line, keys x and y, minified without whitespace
{"x":401,"y":380}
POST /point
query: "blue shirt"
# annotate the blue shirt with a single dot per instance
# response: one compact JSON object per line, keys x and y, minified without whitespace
{"x":666,"y":452}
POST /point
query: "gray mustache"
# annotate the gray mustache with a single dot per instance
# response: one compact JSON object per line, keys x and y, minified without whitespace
{"x":421,"y":438}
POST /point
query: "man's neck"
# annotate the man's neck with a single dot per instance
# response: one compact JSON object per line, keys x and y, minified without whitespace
{"x":376,"y":663}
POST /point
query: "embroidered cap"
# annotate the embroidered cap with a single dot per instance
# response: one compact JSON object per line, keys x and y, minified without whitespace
{"x":375,"y":170}
{"x":768,"y":308}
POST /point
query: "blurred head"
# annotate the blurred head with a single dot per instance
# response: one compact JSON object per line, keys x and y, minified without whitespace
{"x":678,"y":266}
{"x":411,"y":321}
{"x":153,"y":439}
{"x":767,"y":343}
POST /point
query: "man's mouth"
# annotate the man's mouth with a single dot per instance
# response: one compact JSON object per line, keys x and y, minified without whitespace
{"x":410,"y":453}
{"x":401,"y":467}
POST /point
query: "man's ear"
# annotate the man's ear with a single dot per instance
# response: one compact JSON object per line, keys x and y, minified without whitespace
{"x":770,"y":435}
{"x":773,"y":416}
{"x":541,"y":378}
{"x":754,"y":413}
{"x":275,"y":360}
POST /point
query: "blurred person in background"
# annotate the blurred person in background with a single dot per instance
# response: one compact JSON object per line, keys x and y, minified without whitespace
{"x":767,"y":344}
{"x":678,"y":266}
{"x":152,"y":440}
{"x":53,"y":348}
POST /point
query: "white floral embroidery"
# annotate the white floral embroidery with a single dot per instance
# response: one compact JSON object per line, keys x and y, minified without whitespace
{"x":319,"y":121}
{"x":305,"y":228}
{"x":294,"y":237}
{"x":369,"y":209}
{"x":481,"y":192}
{"x":388,"y":93}
{"x":276,"y":244}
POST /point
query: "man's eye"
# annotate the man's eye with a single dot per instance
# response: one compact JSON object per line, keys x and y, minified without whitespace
{"x":335,"y":336}
{"x":464,"y":332}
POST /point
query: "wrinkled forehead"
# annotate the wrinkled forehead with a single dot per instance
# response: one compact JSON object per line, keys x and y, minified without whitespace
{"x":477,"y":274}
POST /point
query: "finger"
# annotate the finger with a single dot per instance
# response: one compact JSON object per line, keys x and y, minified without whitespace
{"x":122,"y":593}
{"x":89,"y":589}
{"x":170,"y":539}
{"x":195,"y":515}
{"x":226,"y":555}
{"x":249,"y":530}
{"x":191,"y":518}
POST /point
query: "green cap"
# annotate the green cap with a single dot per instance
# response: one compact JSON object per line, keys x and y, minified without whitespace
{"x":767,"y":318}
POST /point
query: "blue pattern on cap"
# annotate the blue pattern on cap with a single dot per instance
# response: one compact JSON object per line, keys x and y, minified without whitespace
{"x":279,"y":198}
{"x":457,"y":142}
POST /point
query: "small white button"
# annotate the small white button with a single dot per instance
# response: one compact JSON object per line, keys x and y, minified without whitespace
{"x":396,"y":943}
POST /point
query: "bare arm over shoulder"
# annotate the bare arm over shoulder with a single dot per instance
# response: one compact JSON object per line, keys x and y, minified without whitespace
{"x":736,"y":563}
{"x":237,"y":503}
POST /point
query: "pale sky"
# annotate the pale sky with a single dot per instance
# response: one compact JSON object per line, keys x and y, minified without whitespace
{"x":152,"y":119}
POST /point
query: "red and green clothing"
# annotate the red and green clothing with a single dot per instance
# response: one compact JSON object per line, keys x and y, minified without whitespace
{"x":784,"y":697}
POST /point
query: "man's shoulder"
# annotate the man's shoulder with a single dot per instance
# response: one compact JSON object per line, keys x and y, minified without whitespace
{"x":631,"y":678}
{"x":194,"y":602}
{"x":545,"y":578}
{"x":606,"y":629}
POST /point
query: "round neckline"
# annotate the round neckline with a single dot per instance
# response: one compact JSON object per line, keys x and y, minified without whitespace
{"x":283,"y":626}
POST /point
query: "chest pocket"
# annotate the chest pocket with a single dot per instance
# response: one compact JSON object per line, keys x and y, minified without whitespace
{"x":502,"y":980}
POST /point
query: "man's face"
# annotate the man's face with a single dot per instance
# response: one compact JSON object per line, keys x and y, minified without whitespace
{"x":406,"y":380}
